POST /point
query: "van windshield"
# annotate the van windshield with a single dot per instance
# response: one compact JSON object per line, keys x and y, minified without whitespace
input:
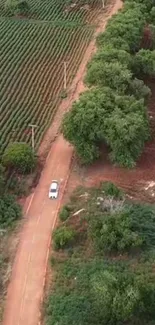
{"x":53,"y":190}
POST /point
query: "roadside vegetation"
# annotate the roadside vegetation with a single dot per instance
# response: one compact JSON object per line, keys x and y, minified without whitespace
{"x":104,"y":269}
{"x":113,"y":111}
{"x":17,"y":160}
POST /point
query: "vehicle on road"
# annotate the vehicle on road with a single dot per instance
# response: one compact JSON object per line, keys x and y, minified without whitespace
{"x":54,"y":189}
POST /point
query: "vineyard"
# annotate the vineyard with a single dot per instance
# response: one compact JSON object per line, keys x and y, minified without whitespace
{"x":32,"y":54}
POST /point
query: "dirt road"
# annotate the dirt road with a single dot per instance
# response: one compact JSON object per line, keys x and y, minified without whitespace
{"x":26,"y":287}
{"x":25,"y":291}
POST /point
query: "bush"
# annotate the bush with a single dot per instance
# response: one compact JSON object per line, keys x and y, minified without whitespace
{"x":64,"y":213}
{"x":102,"y":292}
{"x":17,"y":185}
{"x":10,"y":211}
{"x":139,"y":89}
{"x":111,"y":189}
{"x":133,"y":227}
{"x":69,"y":309}
{"x":17,"y":7}
{"x":113,"y":233}
{"x":19,"y":156}
{"x":62,"y":237}
{"x":144,"y":63}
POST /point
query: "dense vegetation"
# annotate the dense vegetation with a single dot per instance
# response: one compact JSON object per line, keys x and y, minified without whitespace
{"x":106,"y":274}
{"x":17,"y":160}
{"x":20,"y":157}
{"x":32,"y":57}
{"x":114,"y":110}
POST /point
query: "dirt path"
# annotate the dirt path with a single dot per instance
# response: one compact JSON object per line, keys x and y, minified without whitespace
{"x":25,"y":291}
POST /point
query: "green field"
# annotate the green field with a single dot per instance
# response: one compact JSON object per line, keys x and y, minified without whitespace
{"x":61,"y":10}
{"x":32,"y":52}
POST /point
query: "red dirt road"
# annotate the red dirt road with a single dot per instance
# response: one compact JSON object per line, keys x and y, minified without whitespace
{"x":28,"y":275}
{"x":26,"y":288}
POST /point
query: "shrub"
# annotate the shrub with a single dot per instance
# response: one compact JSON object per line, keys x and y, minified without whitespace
{"x":104,"y":293}
{"x":63,"y":236}
{"x":17,"y":185}
{"x":111,"y":189}
{"x":69,"y":309}
{"x":113,"y":233}
{"x":133,"y":227}
{"x":144,"y":63}
{"x":10,"y":211}
{"x":64,"y":213}
{"x":17,"y":7}
{"x":19,"y":156}
{"x":139,"y":89}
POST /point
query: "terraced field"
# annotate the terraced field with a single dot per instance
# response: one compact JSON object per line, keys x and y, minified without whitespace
{"x":32,"y":53}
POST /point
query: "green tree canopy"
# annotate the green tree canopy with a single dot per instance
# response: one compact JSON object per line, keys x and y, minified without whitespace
{"x":106,"y":39}
{"x":127,"y":25}
{"x":104,"y":116}
{"x":111,"y":55}
{"x":146,"y":4}
{"x":114,"y":75}
{"x":122,"y":228}
{"x":144,"y":63}
{"x":19,"y":156}
{"x":139,"y":89}
{"x":103,"y":293}
{"x":10,"y":211}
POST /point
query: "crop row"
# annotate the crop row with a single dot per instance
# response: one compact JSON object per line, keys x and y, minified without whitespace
{"x":52,"y":10}
{"x":31,"y":74}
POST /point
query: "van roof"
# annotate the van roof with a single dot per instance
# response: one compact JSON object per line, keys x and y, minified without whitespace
{"x":54,"y":185}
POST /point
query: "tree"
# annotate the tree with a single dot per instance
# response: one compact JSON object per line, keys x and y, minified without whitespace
{"x":83,"y":126}
{"x":111,"y":55}
{"x":146,"y":4}
{"x":139,"y":89}
{"x":128,"y":25}
{"x":63,"y":236}
{"x":106,"y":39}
{"x":10,"y":211}
{"x":115,"y":296}
{"x":19,"y":156}
{"x":126,"y":135}
{"x":101,"y":115}
{"x":114,"y":75}
{"x":114,"y":233}
{"x":17,"y":7}
{"x":144,"y":63}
